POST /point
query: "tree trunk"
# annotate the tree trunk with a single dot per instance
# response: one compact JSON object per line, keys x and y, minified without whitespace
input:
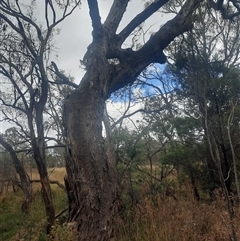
{"x":46,"y":189}
{"x":26,"y":186}
{"x":38,"y":144}
{"x":91,"y":181}
{"x":24,"y":178}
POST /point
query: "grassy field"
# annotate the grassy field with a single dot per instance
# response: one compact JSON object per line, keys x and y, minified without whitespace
{"x":15,"y":226}
{"x":57,"y":174}
{"x":161,"y":219}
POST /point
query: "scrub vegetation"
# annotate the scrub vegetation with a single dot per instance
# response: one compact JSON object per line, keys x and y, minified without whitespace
{"x":153,"y":218}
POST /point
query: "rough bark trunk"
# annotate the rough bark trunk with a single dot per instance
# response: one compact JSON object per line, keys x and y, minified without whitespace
{"x":91,"y":182}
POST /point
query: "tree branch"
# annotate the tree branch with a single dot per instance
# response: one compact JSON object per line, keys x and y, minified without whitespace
{"x":53,"y":10}
{"x":219,"y":6}
{"x":115,"y":16}
{"x":140,"y":18}
{"x":17,"y":163}
{"x":152,"y":51}
{"x":29,"y":150}
{"x":52,"y":182}
{"x":65,"y":80}
{"x":181,"y":23}
{"x":96,"y":19}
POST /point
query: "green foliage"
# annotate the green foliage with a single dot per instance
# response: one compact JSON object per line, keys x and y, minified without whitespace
{"x":188,"y":129}
{"x":129,"y":146}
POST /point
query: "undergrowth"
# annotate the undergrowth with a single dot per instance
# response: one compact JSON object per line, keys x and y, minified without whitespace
{"x":171,"y":220}
{"x":155,"y":218}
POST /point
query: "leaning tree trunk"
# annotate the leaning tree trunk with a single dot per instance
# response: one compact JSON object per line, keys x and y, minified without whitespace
{"x":24,"y":178}
{"x":91,"y":181}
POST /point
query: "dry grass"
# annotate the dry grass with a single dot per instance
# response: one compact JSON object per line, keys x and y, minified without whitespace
{"x":57,"y":174}
{"x":161,"y":219}
{"x":182,"y":220}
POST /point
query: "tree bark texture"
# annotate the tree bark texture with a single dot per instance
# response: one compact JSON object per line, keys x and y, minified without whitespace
{"x":91,"y":182}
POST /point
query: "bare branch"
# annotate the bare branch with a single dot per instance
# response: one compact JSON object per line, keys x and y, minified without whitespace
{"x":181,"y":23}
{"x":29,"y":150}
{"x":140,"y":18}
{"x":115,"y":16}
{"x":219,"y":6}
{"x":61,"y":213}
{"x":52,"y":8}
{"x":95,"y":17}
{"x":17,"y":163}
{"x":65,"y":80}
{"x":52,"y":182}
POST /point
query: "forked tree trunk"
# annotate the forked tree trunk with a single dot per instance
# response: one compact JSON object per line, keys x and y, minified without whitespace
{"x":91,"y":183}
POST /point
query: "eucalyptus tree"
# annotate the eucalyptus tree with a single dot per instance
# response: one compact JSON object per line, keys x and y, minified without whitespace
{"x":91,"y":181}
{"x":91,"y":175}
{"x":26,"y":43}
{"x":206,"y":63}
{"x":93,"y":192}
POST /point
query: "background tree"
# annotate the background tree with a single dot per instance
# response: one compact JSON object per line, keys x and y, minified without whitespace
{"x":24,"y":55}
{"x":209,"y":79}
{"x":25,"y":182}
